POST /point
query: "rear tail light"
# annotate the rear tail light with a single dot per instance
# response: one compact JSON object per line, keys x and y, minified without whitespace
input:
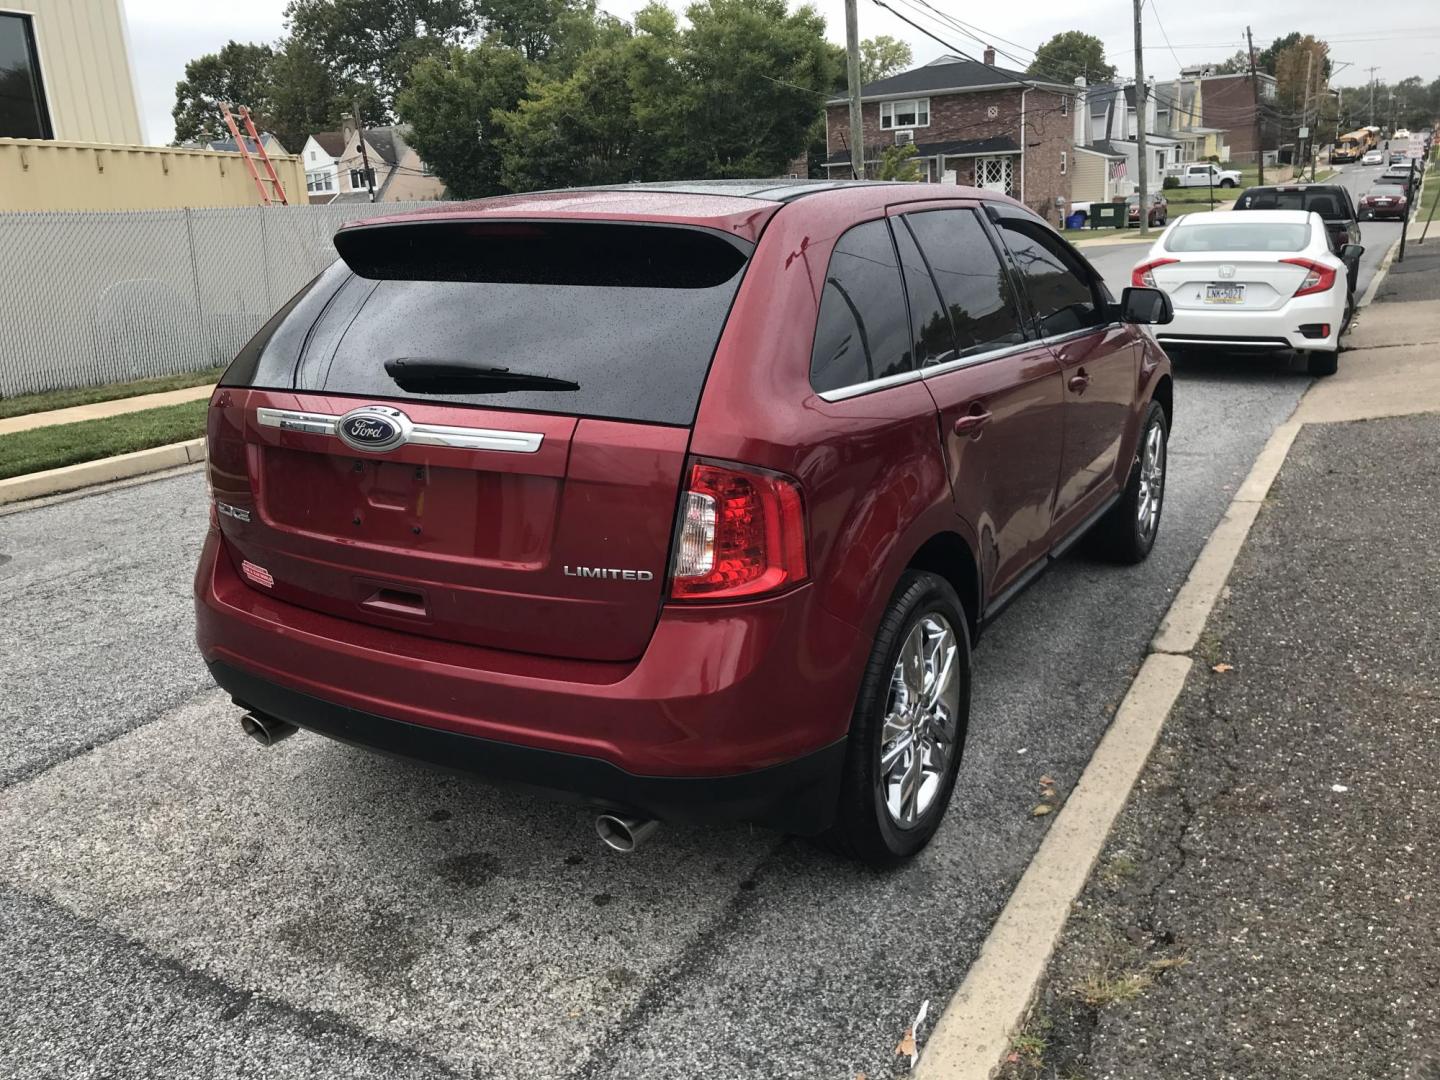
{"x":1143,"y":278}
{"x":740,"y":532}
{"x":1318,"y":278}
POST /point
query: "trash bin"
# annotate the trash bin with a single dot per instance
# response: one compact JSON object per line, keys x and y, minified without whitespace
{"x":1075,"y":220}
{"x":1107,"y":215}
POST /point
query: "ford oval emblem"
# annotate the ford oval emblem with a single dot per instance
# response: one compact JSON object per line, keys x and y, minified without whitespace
{"x":373,"y":428}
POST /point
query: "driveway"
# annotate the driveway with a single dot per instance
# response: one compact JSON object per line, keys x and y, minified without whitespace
{"x":176,"y":902}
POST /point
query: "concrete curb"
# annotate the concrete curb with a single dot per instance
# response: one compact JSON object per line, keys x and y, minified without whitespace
{"x":87,"y":473}
{"x":973,"y":1035}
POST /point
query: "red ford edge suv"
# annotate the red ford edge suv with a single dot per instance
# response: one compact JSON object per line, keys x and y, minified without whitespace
{"x":689,"y":500}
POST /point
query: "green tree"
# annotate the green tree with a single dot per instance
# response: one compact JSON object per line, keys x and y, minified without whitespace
{"x":1239,"y":64}
{"x":753,"y":77}
{"x":1266,"y":58}
{"x":238,"y":74}
{"x":377,"y":43}
{"x":538,"y":28}
{"x":1305,"y":58}
{"x":897,"y":163}
{"x":1070,"y":54}
{"x":883,"y":55}
{"x":452,"y":102}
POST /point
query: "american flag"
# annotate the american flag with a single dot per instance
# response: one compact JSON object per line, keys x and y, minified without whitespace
{"x":1118,"y":170}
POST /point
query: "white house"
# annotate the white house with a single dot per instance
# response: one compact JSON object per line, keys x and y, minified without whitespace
{"x":335,"y":165}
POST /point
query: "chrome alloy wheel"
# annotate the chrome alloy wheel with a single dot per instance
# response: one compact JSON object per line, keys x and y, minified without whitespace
{"x":1152,"y":481}
{"x":918,"y":737}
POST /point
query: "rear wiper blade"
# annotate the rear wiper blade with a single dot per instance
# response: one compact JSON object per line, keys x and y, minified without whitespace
{"x":425,"y":376}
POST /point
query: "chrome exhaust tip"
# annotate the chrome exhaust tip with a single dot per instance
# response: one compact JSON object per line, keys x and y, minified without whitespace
{"x":623,"y":833}
{"x":266,"y":730}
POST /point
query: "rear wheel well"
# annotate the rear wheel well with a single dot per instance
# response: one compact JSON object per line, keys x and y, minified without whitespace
{"x":947,"y":555}
{"x":1165,"y":395}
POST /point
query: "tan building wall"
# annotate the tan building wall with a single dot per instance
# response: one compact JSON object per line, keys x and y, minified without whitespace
{"x":409,"y":184}
{"x":85,"y":68}
{"x":1087,"y":176}
{"x":44,"y":175}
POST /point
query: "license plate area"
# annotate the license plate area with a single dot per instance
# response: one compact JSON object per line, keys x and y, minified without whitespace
{"x":1224,"y":294}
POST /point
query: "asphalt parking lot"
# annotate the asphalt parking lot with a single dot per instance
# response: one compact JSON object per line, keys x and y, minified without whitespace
{"x":177,"y":902}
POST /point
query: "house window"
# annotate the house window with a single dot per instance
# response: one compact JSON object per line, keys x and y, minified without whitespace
{"x":1064,"y":162}
{"x":905,"y":114}
{"x":23,"y":112}
{"x":358,"y":178}
{"x":995,"y":174}
{"x":1064,"y":105}
{"x":320,"y":180}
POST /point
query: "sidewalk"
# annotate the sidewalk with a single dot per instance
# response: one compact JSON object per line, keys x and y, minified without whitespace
{"x":1266,"y":904}
{"x":101,"y":409}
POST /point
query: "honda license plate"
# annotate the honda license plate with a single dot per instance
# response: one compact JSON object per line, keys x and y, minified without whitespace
{"x":1224,"y":294}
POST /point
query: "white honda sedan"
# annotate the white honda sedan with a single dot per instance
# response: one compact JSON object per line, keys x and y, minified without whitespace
{"x":1258,"y":281}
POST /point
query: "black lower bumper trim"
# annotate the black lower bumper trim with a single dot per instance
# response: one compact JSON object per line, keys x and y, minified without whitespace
{"x":797,"y":796}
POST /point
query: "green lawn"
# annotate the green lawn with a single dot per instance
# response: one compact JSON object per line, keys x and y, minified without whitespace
{"x":68,"y":444}
{"x":88,"y":395}
{"x":1429,"y":197}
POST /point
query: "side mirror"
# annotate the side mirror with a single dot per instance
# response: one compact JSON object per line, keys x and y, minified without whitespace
{"x":1352,"y":252}
{"x":1148,"y":307}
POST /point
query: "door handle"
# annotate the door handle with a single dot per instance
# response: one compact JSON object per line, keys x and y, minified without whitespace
{"x":1079,"y":381}
{"x":971,"y":423}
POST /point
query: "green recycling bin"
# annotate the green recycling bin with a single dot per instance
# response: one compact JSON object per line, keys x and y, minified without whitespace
{"x":1108,"y":215}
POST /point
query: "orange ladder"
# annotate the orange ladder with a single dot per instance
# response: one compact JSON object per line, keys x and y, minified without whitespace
{"x":277,"y":189}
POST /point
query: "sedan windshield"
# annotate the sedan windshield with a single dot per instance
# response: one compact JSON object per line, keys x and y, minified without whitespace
{"x":1240,"y":236}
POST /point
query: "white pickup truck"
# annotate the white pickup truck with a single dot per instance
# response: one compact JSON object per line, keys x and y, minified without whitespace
{"x":1207,"y":174}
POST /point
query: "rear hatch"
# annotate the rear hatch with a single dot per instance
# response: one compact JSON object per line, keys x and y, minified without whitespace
{"x":476,"y":430}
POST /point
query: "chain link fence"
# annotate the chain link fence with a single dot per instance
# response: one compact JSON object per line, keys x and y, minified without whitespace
{"x":101,"y":297}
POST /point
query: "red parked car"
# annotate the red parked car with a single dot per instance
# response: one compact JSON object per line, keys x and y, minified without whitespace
{"x":687,"y":500}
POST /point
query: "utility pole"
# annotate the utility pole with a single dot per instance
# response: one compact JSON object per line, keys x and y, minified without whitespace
{"x":1372,"y":71}
{"x":364,"y":154}
{"x":852,"y":65}
{"x":1140,"y":124}
{"x":1309,"y":140}
{"x":1255,"y":90}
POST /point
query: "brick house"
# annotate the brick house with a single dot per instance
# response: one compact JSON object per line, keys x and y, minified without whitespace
{"x":1230,"y":106}
{"x":972,"y":123}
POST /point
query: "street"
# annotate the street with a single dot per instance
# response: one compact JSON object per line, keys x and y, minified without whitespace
{"x":192,"y":904}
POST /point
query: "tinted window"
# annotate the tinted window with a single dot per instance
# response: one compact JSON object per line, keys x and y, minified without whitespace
{"x":23,"y":114}
{"x":1328,"y":204}
{"x":1240,"y":236}
{"x":929,"y":322}
{"x":1057,"y":283}
{"x":971,"y":277}
{"x":622,"y":320}
{"x":863,"y":332}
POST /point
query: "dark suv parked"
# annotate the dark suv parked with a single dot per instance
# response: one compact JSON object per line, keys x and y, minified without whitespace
{"x":1331,"y":201}
{"x":689,"y":500}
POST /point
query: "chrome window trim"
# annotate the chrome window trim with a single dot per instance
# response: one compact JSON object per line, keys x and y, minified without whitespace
{"x":978,"y":358}
{"x":870,"y":385}
{"x":462,"y":438}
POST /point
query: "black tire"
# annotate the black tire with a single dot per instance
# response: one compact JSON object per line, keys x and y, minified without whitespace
{"x":1119,"y":536}
{"x":1319,"y":363}
{"x":1227,"y":183}
{"x":864,"y":827}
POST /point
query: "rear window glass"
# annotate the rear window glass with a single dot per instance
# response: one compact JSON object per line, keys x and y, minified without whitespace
{"x":590,"y":319}
{"x":863,"y":331}
{"x":1327,"y":204}
{"x":1240,"y":236}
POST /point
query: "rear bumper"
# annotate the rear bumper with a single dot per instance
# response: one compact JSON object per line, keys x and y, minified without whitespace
{"x":798,"y":796}
{"x":1259,"y":330}
{"x":733,"y":710}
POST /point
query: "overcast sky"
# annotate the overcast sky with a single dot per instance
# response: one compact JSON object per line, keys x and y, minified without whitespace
{"x":164,"y":34}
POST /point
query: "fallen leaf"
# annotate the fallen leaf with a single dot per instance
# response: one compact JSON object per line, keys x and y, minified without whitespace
{"x":861,"y":1076}
{"x":1047,"y":781}
{"x":1222,"y":668}
{"x":1012,"y":1058}
{"x":906,"y":1046}
{"x":1042,"y":809}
